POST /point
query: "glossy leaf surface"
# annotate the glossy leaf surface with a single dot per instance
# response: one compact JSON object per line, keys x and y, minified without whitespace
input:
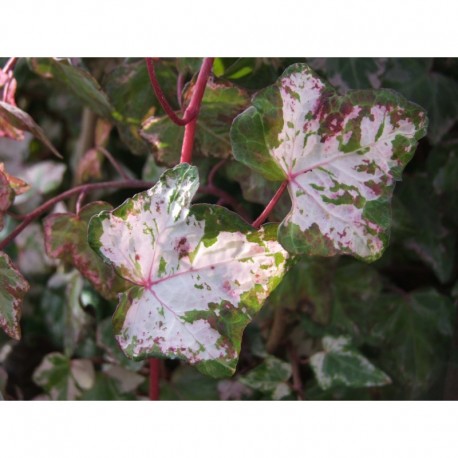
{"x":341,"y":156}
{"x":200,"y":273}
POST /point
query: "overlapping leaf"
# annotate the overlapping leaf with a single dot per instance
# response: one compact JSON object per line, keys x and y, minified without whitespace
{"x":13,"y":288}
{"x":340,"y":155}
{"x":220,"y":104}
{"x":200,"y":274}
{"x":66,"y":239}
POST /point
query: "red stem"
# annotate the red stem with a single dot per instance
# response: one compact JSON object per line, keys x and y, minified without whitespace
{"x":188,"y":142}
{"x":154,"y":372}
{"x":194,"y":108}
{"x":78,"y":189}
{"x":270,"y":206}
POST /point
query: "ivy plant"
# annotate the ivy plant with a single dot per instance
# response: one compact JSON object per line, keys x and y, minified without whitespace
{"x":205,"y":262}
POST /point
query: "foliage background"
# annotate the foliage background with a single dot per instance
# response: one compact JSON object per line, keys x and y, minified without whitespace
{"x":399,"y":312}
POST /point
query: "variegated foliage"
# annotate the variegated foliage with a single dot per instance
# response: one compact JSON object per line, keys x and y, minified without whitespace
{"x":198,"y":273}
{"x":341,"y":156}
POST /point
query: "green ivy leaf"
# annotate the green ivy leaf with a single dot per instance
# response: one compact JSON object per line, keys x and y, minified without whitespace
{"x":437,"y":93}
{"x":13,"y":288}
{"x":66,"y":239}
{"x":220,"y":104}
{"x":346,"y":73}
{"x":190,"y":385}
{"x":414,"y":331}
{"x":76,"y":78}
{"x":200,"y":273}
{"x":340,"y":364}
{"x":435,"y":243}
{"x":63,"y":378}
{"x":23,"y":121}
{"x":270,"y":378}
{"x":341,"y":156}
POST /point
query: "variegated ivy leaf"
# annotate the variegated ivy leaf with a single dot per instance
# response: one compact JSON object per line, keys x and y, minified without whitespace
{"x":340,"y":364}
{"x":200,"y":273}
{"x":341,"y":156}
{"x":13,"y":288}
{"x":66,"y":239}
{"x":63,"y":378}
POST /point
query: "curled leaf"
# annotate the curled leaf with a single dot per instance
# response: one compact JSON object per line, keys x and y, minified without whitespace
{"x":23,"y":121}
{"x":200,"y":273}
{"x":341,"y":156}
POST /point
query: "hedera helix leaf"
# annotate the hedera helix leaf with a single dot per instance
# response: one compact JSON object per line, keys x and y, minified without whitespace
{"x":200,"y":273}
{"x":66,"y":239}
{"x":13,"y":288}
{"x":340,"y":364}
{"x":220,"y":104}
{"x":341,"y":156}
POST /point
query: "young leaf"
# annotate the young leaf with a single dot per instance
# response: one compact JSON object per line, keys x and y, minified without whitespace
{"x":340,"y":364}
{"x":22,"y":120}
{"x":13,"y":288}
{"x":200,"y":273}
{"x":270,"y":378}
{"x":341,"y":156}
{"x":220,"y":104}
{"x":66,"y":239}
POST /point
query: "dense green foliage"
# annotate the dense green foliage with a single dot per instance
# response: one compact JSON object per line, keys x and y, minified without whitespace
{"x":335,"y":328}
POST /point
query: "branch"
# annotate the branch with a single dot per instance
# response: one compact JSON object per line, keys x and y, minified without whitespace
{"x":162,"y":99}
{"x":69,"y":193}
{"x":193,"y":108}
{"x":270,"y":206}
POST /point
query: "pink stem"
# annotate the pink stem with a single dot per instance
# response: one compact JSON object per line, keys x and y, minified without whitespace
{"x":270,"y":206}
{"x":194,"y":107}
{"x":78,"y":189}
{"x":10,"y":64}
